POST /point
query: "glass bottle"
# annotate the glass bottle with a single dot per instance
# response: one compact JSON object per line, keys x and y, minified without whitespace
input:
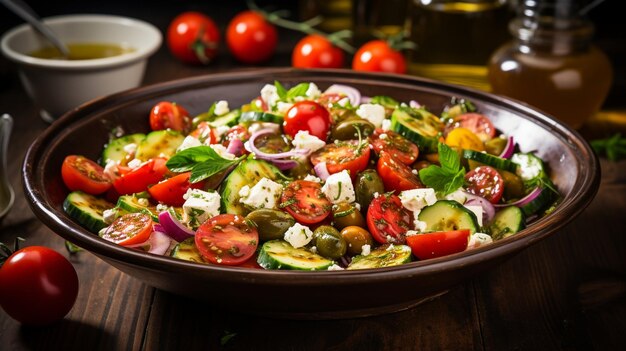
{"x":551,"y":63}
{"x":456,"y":37}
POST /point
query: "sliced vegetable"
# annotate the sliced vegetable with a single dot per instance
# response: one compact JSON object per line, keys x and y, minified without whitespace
{"x":383,"y":256}
{"x":80,"y":173}
{"x":173,"y":227}
{"x":129,"y":229}
{"x":279,"y":254}
{"x":305,"y":201}
{"x":448,"y":215}
{"x":187,"y":250}
{"x":506,"y":222}
{"x":87,"y":210}
{"x":419,"y":126}
{"x":226,"y":239}
{"x":438,"y":244}
{"x":120,"y":149}
{"x":388,"y":220}
{"x":490,"y":160}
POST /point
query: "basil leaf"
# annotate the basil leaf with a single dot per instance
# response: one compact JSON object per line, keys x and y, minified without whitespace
{"x":206,"y":169}
{"x":202,"y":161}
{"x":448,"y":158}
{"x":280,"y":90}
{"x":447,"y":178}
{"x":298,"y":90}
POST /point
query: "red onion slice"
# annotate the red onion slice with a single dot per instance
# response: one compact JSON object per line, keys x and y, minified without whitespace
{"x":264,"y":155}
{"x":351,"y":93}
{"x":366,"y":99}
{"x":173,"y":227}
{"x":508,"y":148}
{"x":284,"y":164}
{"x":235,"y":147}
{"x":157,"y":243}
{"x":321,"y":171}
{"x":414,"y":104}
{"x":489,"y":209}
{"x":525,"y":200}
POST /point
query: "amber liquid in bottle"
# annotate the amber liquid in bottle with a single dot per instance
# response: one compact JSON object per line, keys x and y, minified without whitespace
{"x":455,"y":39}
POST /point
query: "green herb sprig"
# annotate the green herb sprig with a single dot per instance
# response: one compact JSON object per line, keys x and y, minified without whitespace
{"x":614,"y":147}
{"x":448,"y":177}
{"x":291,"y":94}
{"x":202,"y":161}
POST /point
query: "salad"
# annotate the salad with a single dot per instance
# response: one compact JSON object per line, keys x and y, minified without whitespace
{"x":302,"y":179}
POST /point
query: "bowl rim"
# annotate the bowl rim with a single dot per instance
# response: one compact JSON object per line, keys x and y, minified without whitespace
{"x":154,"y":40}
{"x":583,"y":190}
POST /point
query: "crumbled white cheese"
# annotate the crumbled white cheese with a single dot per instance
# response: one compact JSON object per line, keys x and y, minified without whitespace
{"x":357,"y":206}
{"x":221,"y":130}
{"x":386,"y":125}
{"x":373,"y":113}
{"x":304,"y":140}
{"x":478,"y":211}
{"x":111,"y":169}
{"x":313,"y":91}
{"x":161,"y":207}
{"x":529,"y":166}
{"x":283,"y":107}
{"x":221,"y":108}
{"x":477,"y":240}
{"x":312,"y":178}
{"x":366,"y":249}
{"x":135,"y":163}
{"x":256,"y":126}
{"x":108,"y":216}
{"x":189,"y":142}
{"x":130,"y":148}
{"x":269,"y":95}
{"x":263,"y":194}
{"x":298,"y":235}
{"x":244,"y":191}
{"x":143,"y":202}
{"x":411,"y":232}
{"x":343,"y":102}
{"x":458,"y":195}
{"x":221,"y":150}
{"x":419,"y":226}
{"x":416,"y":199}
{"x":376,"y":194}
{"x":338,"y":188}
{"x":335,"y":267}
{"x":199,"y":206}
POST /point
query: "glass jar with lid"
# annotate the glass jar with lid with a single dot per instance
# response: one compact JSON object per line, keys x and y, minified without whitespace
{"x":551,"y":63}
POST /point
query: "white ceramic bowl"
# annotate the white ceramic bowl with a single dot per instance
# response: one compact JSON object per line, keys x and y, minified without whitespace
{"x":58,"y":86}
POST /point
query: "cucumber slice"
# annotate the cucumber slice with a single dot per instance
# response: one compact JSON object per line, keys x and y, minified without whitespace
{"x":279,"y":254}
{"x":187,"y":250}
{"x":114,"y":150}
{"x":546,"y":198}
{"x":254,"y":116}
{"x":87,"y":209}
{"x":445,"y":215}
{"x":506,"y":222}
{"x":417,"y":125}
{"x":160,"y":143}
{"x":248,"y":172}
{"x":490,"y":160}
{"x":230,"y":119}
{"x":384,"y":256}
{"x":132,"y":204}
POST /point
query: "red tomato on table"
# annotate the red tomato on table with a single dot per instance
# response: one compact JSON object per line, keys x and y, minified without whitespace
{"x":310,"y":116}
{"x":169,"y":115}
{"x":305,"y":201}
{"x":341,"y":156}
{"x":227,"y":239}
{"x":387,"y":220}
{"x":193,"y":37}
{"x":378,"y":56}
{"x":437,"y":244}
{"x":315,"y":51}
{"x":39,"y":285}
{"x":251,"y":38}
{"x":80,"y":173}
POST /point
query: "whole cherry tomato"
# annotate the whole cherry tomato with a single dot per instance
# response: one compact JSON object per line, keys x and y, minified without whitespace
{"x":315,"y":51}
{"x":39,"y":285}
{"x":310,"y":116}
{"x":170,"y":115}
{"x":378,"y":56}
{"x":251,"y":38}
{"x":193,"y":38}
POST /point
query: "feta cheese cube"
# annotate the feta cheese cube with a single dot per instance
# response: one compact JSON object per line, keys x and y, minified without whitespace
{"x":312,"y":178}
{"x":269,"y":95}
{"x":313,"y":91}
{"x":303,"y":140}
{"x":373,"y":113}
{"x":416,"y":199}
{"x":108,"y":216}
{"x":199,"y":206}
{"x":283,"y":107}
{"x":419,"y":226}
{"x":382,"y":136}
{"x":335,"y":267}
{"x":298,"y":235}
{"x":386,"y":124}
{"x":263,"y":194}
{"x":255,"y":127}
{"x":338,"y":188}
{"x":130,"y":148}
{"x":477,"y":240}
{"x":111,"y":169}
{"x":457,"y":195}
{"x":135,"y":163}
{"x":221,"y":150}
{"x":366,"y":249}
{"x":478,"y":211}
{"x":221,"y":108}
{"x":343,"y":102}
{"x":221,"y":130}
{"x":189,"y":142}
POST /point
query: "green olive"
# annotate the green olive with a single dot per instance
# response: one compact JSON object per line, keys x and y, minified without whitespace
{"x":513,"y":185}
{"x":347,"y":129}
{"x":356,"y":237}
{"x":345,"y":214}
{"x":495,"y":146}
{"x":271,"y":224}
{"x":301,"y":170}
{"x":329,"y":242}
{"x":341,"y":114}
{"x":368,"y":183}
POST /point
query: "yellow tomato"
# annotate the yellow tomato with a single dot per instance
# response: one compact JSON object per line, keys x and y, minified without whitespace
{"x":464,"y":138}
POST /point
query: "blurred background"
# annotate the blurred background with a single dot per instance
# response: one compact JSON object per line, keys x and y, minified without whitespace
{"x":454,"y":38}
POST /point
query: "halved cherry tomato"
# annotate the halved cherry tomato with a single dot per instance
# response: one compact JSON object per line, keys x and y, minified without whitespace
{"x":193,"y":37}
{"x":80,"y":173}
{"x":478,"y":123}
{"x":346,"y":155}
{"x":204,"y":132}
{"x":130,"y":229}
{"x":170,"y":115}
{"x":485,"y":181}
{"x":227,"y":239}
{"x":251,"y":38}
{"x":396,"y":175}
{"x":138,"y":180}
{"x":237,"y":132}
{"x":387,"y":220}
{"x":305,"y":201}
{"x":464,"y":138}
{"x":437,"y":244}
{"x":171,"y":190}
{"x":378,"y":56}
{"x":395,"y":144}
{"x":315,"y":51}
{"x":310,"y":116}
{"x":251,"y":263}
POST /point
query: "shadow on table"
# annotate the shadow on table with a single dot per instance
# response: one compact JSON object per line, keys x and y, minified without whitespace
{"x":67,"y":335}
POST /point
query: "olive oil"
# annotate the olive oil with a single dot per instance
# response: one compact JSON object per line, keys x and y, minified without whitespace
{"x":82,"y":51}
{"x":456,"y":38}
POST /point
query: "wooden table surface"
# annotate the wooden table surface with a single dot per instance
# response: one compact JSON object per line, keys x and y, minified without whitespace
{"x":568,"y":292}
